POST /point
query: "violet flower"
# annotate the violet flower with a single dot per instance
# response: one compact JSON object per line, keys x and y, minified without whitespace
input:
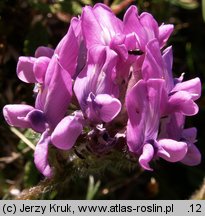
{"x":95,"y":90}
{"x":166,"y":103}
{"x":143,"y":107}
{"x":180,"y":96}
{"x":33,"y":69}
{"x":51,"y":71}
{"x":139,"y":31}
{"x":172,"y":127}
{"x":109,"y":63}
{"x":144,"y":28}
{"x":101,"y":28}
{"x":68,"y":130}
{"x":49,"y":110}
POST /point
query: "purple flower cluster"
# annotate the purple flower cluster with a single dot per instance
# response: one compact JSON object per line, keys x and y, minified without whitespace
{"x":110,"y":71}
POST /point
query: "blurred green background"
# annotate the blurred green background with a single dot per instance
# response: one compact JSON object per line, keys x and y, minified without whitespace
{"x":27,"y":24}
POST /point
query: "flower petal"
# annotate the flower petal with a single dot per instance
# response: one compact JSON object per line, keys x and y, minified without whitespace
{"x":99,"y":25}
{"x":193,"y":156}
{"x":132,"y":24}
{"x":118,"y":45}
{"x":96,"y":77}
{"x":44,"y":51}
{"x":66,"y":132}
{"x":15,"y":115}
{"x":193,"y":87}
{"x":154,"y":97}
{"x":189,"y":134}
{"x":164,"y":33}
{"x":172,"y":126}
{"x":150,"y":25}
{"x":81,"y":60}
{"x":182,"y":102}
{"x":105,"y":83}
{"x":37,"y":120}
{"x":109,"y":107}
{"x":168,"y":61}
{"x":41,"y":155}
{"x":143,"y":107}
{"x":25,"y":69}
{"x":56,"y":92}
{"x":153,"y":63}
{"x":136,"y":105}
{"x":87,"y":80}
{"x":40,"y":67}
{"x":146,"y":156}
{"x":176,"y":150}
{"x":67,"y":51}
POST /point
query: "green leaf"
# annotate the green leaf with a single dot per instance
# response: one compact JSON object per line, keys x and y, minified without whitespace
{"x":77,"y":8}
{"x":87,"y":2}
{"x":92,"y":188}
{"x":116,"y":2}
{"x":31,"y":136}
{"x":186,"y":4}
